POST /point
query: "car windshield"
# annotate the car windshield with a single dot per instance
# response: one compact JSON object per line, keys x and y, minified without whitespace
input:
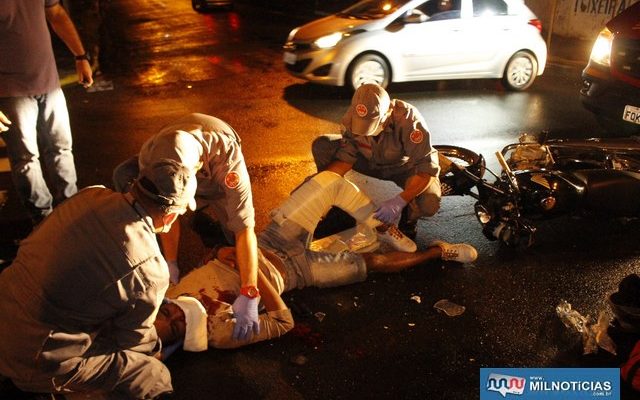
{"x":372,"y":9}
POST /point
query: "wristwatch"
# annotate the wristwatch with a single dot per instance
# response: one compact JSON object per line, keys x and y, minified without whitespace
{"x":84,"y":56}
{"x":250,"y":291}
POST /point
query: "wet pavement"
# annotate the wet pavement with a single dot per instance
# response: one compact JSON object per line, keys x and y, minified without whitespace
{"x":371,"y":340}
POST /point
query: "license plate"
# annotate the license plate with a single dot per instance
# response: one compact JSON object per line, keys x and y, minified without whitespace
{"x":289,"y":58}
{"x":631,"y":114}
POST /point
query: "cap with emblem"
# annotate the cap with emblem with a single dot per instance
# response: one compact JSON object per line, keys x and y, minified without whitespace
{"x":369,"y":104}
{"x":170,"y":184}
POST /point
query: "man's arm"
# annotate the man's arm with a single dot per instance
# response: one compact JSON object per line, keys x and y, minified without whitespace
{"x":390,"y":210}
{"x":245,"y":308}
{"x":274,"y":323}
{"x":415,"y":185}
{"x":247,"y":256}
{"x":66,"y":30}
{"x":270,"y":297}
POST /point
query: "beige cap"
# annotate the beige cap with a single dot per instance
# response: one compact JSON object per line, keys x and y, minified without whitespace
{"x":369,"y":104}
{"x":169,"y":183}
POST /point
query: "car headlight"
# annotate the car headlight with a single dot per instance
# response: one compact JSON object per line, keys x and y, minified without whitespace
{"x":292,"y":34}
{"x":328,"y":41}
{"x":601,"y":51}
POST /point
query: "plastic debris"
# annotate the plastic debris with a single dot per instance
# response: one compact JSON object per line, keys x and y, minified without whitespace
{"x":416,"y":298}
{"x":320,"y":316}
{"x":365,"y":236}
{"x":603,"y":339}
{"x":449,"y":308}
{"x":299,"y":359}
{"x":336,"y":246}
{"x":571,"y":318}
{"x":594,"y":335}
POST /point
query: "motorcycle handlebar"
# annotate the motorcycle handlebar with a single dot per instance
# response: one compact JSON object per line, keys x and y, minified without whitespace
{"x":507,"y":170}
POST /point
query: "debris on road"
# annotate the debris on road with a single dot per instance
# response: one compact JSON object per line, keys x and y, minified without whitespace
{"x":320,"y":316}
{"x":594,"y":335}
{"x":449,"y":308}
{"x":299,"y":359}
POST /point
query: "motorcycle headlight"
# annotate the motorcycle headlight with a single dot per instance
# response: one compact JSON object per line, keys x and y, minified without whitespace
{"x":482,"y":214}
{"x":601,"y":51}
{"x":328,"y":41}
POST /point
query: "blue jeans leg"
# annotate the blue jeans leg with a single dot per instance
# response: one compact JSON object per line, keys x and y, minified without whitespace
{"x":54,"y":138}
{"x":40,"y":121}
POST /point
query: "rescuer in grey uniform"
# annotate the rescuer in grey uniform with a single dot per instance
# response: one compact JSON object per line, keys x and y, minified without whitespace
{"x":77,"y":304}
{"x":389,"y":140}
{"x":211,"y":147}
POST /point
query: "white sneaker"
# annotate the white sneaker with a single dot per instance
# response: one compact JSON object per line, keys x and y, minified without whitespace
{"x":397,"y":239}
{"x":459,"y":252}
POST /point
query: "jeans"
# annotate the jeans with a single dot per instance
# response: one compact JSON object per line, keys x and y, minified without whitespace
{"x":40,"y":129}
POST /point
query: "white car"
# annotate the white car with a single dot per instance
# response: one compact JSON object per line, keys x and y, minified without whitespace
{"x":387,"y":41}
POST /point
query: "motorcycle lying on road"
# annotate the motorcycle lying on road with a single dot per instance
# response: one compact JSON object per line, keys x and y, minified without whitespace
{"x":542,"y":179}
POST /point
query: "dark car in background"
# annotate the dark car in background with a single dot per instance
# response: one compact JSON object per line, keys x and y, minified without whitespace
{"x":206,"y":5}
{"x":611,"y":80}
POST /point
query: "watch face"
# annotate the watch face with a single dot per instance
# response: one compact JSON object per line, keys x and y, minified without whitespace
{"x":250,"y":291}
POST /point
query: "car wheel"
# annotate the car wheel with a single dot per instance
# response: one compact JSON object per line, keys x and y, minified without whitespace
{"x":520,"y":72}
{"x":368,"y":68}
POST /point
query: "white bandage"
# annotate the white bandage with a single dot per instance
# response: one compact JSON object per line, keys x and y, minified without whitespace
{"x":195,"y":338}
{"x":313,"y":199}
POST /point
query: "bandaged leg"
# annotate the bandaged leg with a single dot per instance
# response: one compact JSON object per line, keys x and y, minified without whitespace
{"x":312,"y":200}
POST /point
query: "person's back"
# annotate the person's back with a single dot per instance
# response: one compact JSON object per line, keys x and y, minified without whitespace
{"x":88,"y":277}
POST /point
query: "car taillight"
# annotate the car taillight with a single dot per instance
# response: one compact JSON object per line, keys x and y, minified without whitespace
{"x":536,"y":22}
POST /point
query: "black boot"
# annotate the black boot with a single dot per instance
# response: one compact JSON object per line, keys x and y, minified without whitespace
{"x":409,"y":228}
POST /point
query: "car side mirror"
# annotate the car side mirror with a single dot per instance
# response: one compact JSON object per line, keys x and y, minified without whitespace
{"x":414,"y":17}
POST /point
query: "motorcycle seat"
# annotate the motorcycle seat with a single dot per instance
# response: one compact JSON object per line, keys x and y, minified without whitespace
{"x":611,"y":192}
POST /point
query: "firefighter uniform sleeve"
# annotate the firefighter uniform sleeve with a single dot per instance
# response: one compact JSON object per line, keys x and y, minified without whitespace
{"x":229,"y":172}
{"x":417,"y":143}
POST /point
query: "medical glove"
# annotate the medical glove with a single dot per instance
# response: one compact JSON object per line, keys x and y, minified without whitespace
{"x":245,"y":311}
{"x":389,"y":211}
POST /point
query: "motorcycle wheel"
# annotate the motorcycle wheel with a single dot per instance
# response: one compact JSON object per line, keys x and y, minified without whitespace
{"x":452,"y":160}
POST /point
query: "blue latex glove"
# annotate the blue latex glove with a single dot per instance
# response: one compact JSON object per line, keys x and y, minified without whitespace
{"x":389,"y":211}
{"x":245,"y":311}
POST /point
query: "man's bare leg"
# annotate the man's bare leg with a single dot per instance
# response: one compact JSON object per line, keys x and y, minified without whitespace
{"x":397,"y":261}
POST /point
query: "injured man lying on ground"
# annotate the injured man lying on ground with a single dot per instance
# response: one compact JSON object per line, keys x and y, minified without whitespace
{"x":198,"y":313}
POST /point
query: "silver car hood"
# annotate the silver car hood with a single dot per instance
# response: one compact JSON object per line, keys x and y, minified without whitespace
{"x":329,"y":25}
